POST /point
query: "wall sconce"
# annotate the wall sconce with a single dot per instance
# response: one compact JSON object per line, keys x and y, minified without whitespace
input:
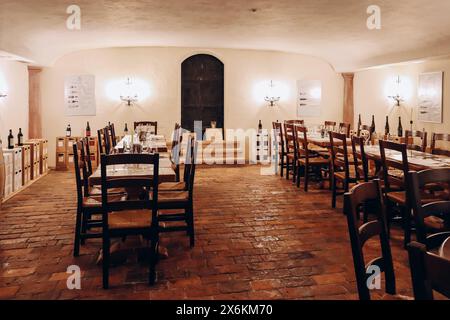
{"x":271,"y":96}
{"x":129,"y":97}
{"x":397,"y":97}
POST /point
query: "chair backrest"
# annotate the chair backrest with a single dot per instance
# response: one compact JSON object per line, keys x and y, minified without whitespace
{"x":417,"y":182}
{"x":301,"y":136}
{"x":177,"y":143}
{"x":354,"y":201}
{"x":80,"y":168}
{"x":387,"y":165}
{"x":279,"y":137}
{"x":429,"y":272}
{"x":113,"y":136}
{"x":289,"y":138}
{"x":422,"y":135}
{"x":339,"y":153}
{"x":87,"y":152}
{"x":330,"y":126}
{"x":103,"y":141}
{"x":153,"y":124}
{"x":295,"y":122}
{"x":360,"y":159}
{"x":345,"y":128}
{"x":148,"y":197}
{"x":190,"y":165}
{"x":435,"y":139}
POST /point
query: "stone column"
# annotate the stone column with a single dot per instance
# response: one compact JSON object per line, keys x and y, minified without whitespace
{"x":34,"y":103}
{"x":348,"y":99}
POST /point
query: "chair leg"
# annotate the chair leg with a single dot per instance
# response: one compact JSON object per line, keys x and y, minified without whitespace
{"x":153,"y":257}
{"x":407,"y":226}
{"x":282,"y":166}
{"x":298,"y":176}
{"x":191,"y":226}
{"x":334,"y":187}
{"x":287,"y":168}
{"x":106,"y":254}
{"x":76,"y":245}
{"x":84,"y":221}
{"x":294,"y":171}
{"x":306,"y":178}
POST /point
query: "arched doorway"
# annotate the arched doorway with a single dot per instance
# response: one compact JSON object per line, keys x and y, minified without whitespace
{"x":202,"y":91}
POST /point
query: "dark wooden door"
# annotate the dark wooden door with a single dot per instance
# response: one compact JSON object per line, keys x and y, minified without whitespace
{"x":202,"y":91}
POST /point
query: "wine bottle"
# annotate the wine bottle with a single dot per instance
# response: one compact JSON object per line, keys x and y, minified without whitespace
{"x":20,"y":138}
{"x":386,"y":128}
{"x":126,"y":129}
{"x":400,"y":127}
{"x":88,"y":130}
{"x":10,"y":140}
{"x":68,"y":131}
{"x":359,"y":125}
{"x":260,"y":125}
{"x":372,"y":126}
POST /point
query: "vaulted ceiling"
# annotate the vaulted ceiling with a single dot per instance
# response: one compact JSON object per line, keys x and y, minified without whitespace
{"x":334,"y":30}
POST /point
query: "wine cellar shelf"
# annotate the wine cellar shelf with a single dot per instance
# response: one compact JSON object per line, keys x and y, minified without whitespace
{"x":64,"y":152}
{"x":24,"y":165}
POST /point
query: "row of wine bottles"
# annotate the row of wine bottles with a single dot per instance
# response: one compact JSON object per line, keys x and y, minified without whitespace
{"x":11,"y":139}
{"x":88,"y":130}
{"x":387,"y":129}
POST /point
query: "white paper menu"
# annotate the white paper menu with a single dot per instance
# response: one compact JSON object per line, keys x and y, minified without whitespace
{"x":79,"y":95}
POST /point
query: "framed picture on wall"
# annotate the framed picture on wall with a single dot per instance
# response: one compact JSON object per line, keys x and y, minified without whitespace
{"x":309,"y":98}
{"x":430,"y":91}
{"x":79,"y":95}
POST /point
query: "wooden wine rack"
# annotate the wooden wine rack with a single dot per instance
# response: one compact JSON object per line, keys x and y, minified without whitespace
{"x":65,"y":156}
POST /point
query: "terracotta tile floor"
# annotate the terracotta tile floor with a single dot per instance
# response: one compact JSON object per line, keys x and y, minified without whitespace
{"x":258,"y":237}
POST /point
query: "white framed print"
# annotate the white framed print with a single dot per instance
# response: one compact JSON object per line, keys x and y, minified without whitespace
{"x":430,"y":94}
{"x":79,"y":95}
{"x":309,"y":98}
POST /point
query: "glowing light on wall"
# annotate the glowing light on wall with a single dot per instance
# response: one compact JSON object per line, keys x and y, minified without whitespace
{"x":3,"y":87}
{"x":266,"y":90}
{"x":398,"y":89}
{"x":132,"y":88}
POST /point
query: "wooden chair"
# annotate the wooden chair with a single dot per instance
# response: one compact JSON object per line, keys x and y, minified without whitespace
{"x":152,"y":124}
{"x":428,"y":272}
{"x":422,"y":135}
{"x":181,"y":200}
{"x":305,"y":159}
{"x":439,"y":137}
{"x":395,"y":185}
{"x":131,"y":215}
{"x":395,"y":182}
{"x":345,"y":128}
{"x":279,"y":137}
{"x":359,"y":235}
{"x":432,"y":219}
{"x":291,"y":150}
{"x":87,"y":206}
{"x":340,"y":165}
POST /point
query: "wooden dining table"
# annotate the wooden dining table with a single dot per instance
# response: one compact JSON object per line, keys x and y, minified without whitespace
{"x":156,"y":142}
{"x":417,"y":160}
{"x":323,"y":142}
{"x":166,"y":172}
